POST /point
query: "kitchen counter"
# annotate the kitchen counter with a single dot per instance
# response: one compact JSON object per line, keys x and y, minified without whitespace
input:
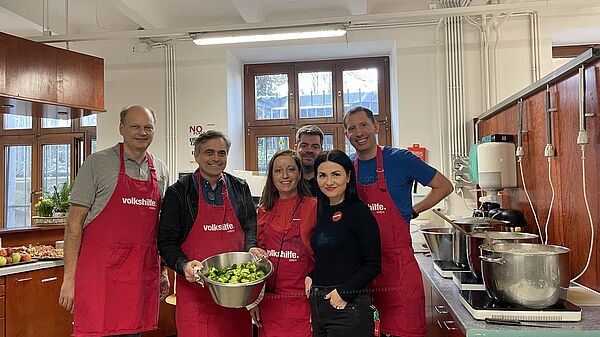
{"x":25,"y":267}
{"x":588,"y":326}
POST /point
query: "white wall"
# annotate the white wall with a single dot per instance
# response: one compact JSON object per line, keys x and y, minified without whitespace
{"x":210,"y":80}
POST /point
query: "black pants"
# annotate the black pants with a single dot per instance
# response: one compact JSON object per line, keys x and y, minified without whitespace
{"x":356,"y":319}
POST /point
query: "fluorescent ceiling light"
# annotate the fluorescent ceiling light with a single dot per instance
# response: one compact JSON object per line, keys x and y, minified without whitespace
{"x":268,"y":34}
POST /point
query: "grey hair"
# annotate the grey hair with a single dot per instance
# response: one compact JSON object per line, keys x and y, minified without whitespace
{"x":126,"y":109}
{"x":208,"y":135}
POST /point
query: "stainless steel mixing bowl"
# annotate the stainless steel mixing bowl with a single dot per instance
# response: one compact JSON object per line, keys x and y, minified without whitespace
{"x":440,"y":242}
{"x":234,"y":295}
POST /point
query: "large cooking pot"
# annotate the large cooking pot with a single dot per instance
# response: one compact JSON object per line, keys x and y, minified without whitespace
{"x":476,"y":239}
{"x":440,"y":241}
{"x":471,"y":224}
{"x":530,"y":275}
{"x":236,"y":295}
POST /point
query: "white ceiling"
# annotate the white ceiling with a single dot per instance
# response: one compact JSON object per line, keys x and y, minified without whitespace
{"x":25,"y":17}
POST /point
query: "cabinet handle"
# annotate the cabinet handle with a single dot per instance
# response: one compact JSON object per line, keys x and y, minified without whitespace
{"x":447,"y":323}
{"x":49,"y":279}
{"x":24,"y":279}
{"x":440,"y":309}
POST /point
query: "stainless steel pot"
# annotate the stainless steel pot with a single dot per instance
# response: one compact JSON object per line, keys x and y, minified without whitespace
{"x":234,"y":295}
{"x":472,"y":224}
{"x":440,"y":241}
{"x":476,"y":239}
{"x":530,"y":275}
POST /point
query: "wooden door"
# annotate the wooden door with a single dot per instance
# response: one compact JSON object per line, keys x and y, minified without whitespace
{"x":32,"y":302}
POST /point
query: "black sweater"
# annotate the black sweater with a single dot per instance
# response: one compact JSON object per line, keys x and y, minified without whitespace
{"x":347,"y":251}
{"x":179,"y":209}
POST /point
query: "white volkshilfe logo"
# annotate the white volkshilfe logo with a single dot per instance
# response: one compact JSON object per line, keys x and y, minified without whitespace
{"x":139,"y":201}
{"x":286,"y":254}
{"x":377,"y":208}
{"x":218,"y":227}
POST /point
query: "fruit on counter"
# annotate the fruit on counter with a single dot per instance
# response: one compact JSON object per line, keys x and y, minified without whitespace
{"x":16,"y":257}
{"x":25,"y":257}
{"x":2,"y":260}
{"x":9,"y":251}
{"x":3,"y":252}
{"x":8,"y":259}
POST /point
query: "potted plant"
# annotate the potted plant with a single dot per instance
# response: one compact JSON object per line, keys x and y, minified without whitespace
{"x":60,"y":199}
{"x":44,"y":207}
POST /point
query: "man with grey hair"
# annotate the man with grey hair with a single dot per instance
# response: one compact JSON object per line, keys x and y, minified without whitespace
{"x":112,"y":277}
{"x":309,"y":143}
{"x":206,"y":213}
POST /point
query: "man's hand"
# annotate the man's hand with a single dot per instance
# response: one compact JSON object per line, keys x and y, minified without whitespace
{"x":165,"y":285}
{"x":190,"y":270}
{"x":66,"y":295}
{"x":335,"y":300}
{"x":258,"y":252}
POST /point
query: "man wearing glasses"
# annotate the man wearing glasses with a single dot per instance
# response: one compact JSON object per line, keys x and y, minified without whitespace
{"x":309,"y":143}
{"x":112,"y":268}
{"x":203,"y":214}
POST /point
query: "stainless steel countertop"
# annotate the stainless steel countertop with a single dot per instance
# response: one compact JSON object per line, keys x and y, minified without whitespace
{"x":588,"y":326}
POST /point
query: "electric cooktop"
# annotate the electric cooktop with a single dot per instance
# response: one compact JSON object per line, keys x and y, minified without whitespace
{"x":446,"y":268}
{"x":481,"y":306}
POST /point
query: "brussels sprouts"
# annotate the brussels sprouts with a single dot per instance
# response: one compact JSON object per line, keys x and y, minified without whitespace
{"x":244,"y":273}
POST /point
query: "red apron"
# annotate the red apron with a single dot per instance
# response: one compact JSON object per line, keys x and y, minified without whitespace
{"x":285,"y":311}
{"x":398,"y":290}
{"x":118,"y":269}
{"x":216,"y":230}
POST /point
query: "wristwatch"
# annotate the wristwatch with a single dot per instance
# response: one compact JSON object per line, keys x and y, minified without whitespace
{"x":414,"y":214}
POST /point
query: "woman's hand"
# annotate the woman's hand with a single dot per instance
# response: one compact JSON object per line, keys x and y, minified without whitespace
{"x":255,"y":314}
{"x":307,"y":285}
{"x":335,"y":300}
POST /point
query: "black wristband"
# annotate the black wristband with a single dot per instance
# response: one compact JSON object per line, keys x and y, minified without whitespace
{"x":414,"y":214}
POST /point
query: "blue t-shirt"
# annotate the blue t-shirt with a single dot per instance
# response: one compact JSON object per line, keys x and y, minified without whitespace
{"x":401,"y":168}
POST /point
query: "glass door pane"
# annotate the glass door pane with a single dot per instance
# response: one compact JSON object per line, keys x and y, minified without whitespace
{"x":48,"y":123}
{"x":17,"y":187}
{"x":271,"y":96}
{"x":328,"y":142}
{"x":267,"y":146}
{"x":315,"y":94}
{"x":360,"y":89}
{"x":17,"y":122}
{"x":56,"y":166}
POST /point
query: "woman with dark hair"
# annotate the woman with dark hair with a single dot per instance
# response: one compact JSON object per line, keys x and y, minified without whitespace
{"x":347,"y":252}
{"x":286,"y":219}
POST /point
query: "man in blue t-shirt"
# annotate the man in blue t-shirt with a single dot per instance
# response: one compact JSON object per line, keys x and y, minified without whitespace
{"x":384,"y":180}
{"x":401,"y":167}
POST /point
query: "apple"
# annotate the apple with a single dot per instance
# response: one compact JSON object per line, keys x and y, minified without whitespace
{"x":16,"y":257}
{"x":25,"y":257}
{"x":9,"y":251}
{"x":2,"y":260}
{"x":3,"y":252}
{"x":8,"y":259}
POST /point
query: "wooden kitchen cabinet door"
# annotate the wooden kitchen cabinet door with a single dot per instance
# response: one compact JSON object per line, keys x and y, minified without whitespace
{"x":30,"y":70}
{"x":2,"y":62}
{"x":32,"y":308}
{"x":80,"y":80}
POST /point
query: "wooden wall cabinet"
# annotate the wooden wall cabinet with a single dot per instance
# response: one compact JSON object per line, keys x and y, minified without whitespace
{"x":32,"y":308}
{"x":41,"y":73}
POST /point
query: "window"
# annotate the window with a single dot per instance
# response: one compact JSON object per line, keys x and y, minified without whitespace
{"x":38,"y":154}
{"x":280,"y":98}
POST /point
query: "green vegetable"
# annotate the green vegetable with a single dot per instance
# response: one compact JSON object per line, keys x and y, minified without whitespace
{"x":244,"y":273}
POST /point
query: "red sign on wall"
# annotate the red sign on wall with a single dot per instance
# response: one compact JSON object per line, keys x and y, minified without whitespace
{"x":418,"y":151}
